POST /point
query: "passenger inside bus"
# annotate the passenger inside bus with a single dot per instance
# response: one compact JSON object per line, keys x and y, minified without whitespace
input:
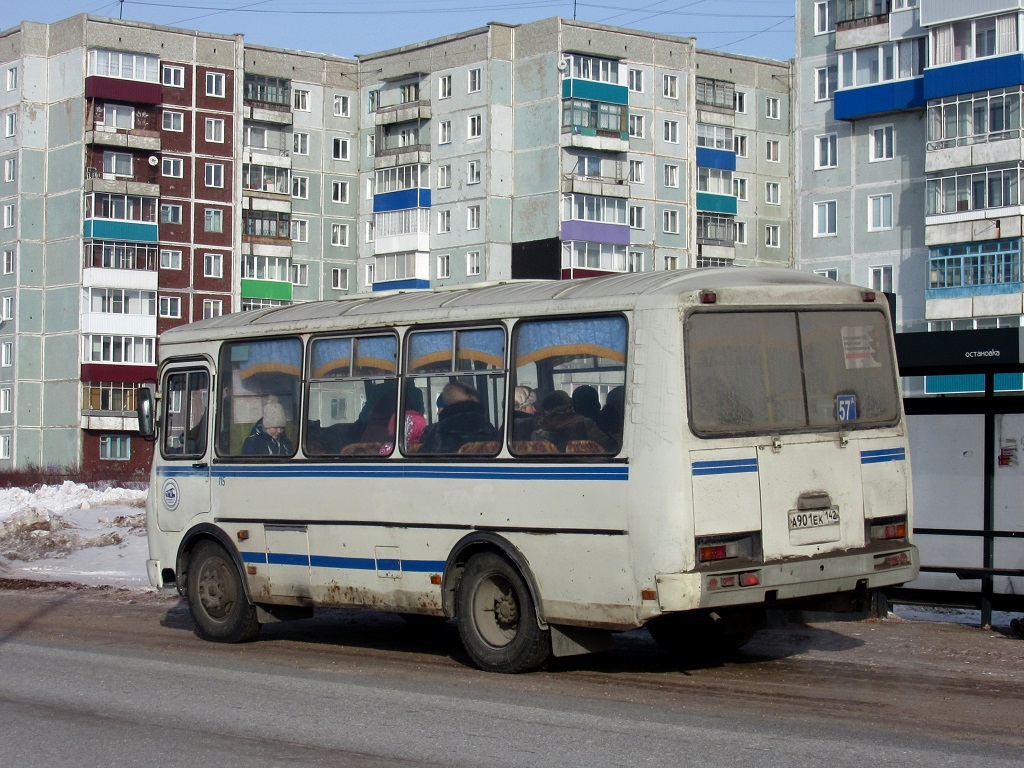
{"x":610,"y":419}
{"x":461,"y":420}
{"x":267,"y":437}
{"x":586,"y":402}
{"x":524,"y":417}
{"x":561,"y":425}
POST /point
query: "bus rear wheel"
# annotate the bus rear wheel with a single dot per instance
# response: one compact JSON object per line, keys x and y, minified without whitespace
{"x":497,"y":618}
{"x":216,"y":597}
{"x":704,"y":636}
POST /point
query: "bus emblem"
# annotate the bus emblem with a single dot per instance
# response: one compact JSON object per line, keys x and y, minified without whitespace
{"x":171,"y":496}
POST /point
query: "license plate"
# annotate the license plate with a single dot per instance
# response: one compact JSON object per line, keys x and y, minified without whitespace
{"x":801,"y":519}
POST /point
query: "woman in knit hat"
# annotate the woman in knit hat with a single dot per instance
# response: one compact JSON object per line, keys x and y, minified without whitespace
{"x":267,"y":437}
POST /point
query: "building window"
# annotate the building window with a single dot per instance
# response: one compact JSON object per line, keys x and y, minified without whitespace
{"x":444,"y":87}
{"x":170,"y":259}
{"x":8,"y":265}
{"x":300,"y":187}
{"x":883,"y":139}
{"x":473,"y":172}
{"x":339,"y":279}
{"x":5,"y":400}
{"x":7,"y":308}
{"x":636,"y":171}
{"x":173,"y":76}
{"x":973,"y":190}
{"x":476,"y":126}
{"x":300,"y":100}
{"x":170,"y":306}
{"x":300,"y":143}
{"x":992,"y":262}
{"x":212,"y":308}
{"x":635,"y":261}
{"x":739,"y":102}
{"x":300,"y":274}
{"x":772,"y":193}
{"x":825,"y":80}
{"x":741,"y":233}
{"x":739,"y":187}
{"x":671,"y":131}
{"x":299,"y":231}
{"x":825,"y":219}
{"x":213,"y":265}
{"x":882,"y":63}
{"x":339,"y":235}
{"x":824,"y":17}
{"x":473,"y":263}
{"x":341,"y":148}
{"x":339,"y":191}
{"x":444,"y":132}
{"x":475,"y":80}
{"x":174,"y":121}
{"x":739,"y":144}
{"x":115,"y":447}
{"x":172,"y":167}
{"x":371,"y":231}
{"x":8,"y":215}
{"x":342,"y":106}
{"x":12,"y":78}
{"x":444,"y":222}
{"x":672,"y":176}
{"x":826,"y":154}
{"x":118,"y":117}
{"x":670,"y":222}
{"x":974,"y":39}
{"x":771,"y":235}
{"x":473,"y":217}
{"x":215,"y":130}
{"x":772,"y":109}
{"x":715,"y":93}
{"x":879,"y":212}
{"x":10,"y":168}
{"x":636,"y":217}
{"x":444,"y":268}
{"x":715,"y":136}
{"x":772,"y":150}
{"x":636,"y":80}
{"x":117,"y":164}
{"x":714,"y":180}
{"x":5,"y":446}
{"x":213,"y":220}
{"x":215,"y":84}
{"x":670,"y":86}
{"x":444,"y":176}
{"x":214,"y":175}
{"x":880,"y":278}
{"x":831,"y":274}
{"x":636,"y":126}
{"x":7,"y":354}
{"x":170,"y":214}
{"x":973,"y":118}
{"x":368,"y":274}
{"x":123,"y":66}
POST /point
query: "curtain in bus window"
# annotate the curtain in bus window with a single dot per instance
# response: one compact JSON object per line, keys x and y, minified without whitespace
{"x":261,"y":384}
{"x":598,"y":337}
{"x":353,"y":393}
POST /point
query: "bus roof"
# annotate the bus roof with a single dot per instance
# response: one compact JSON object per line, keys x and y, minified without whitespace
{"x":520,"y":297}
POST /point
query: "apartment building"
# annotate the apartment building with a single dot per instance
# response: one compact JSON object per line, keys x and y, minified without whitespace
{"x":154,"y":176}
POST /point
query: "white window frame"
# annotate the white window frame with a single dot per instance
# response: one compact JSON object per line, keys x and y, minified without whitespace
{"x":444,"y":266}
{"x":444,"y":222}
{"x":739,"y":144}
{"x":339,"y":278}
{"x":300,"y":187}
{"x":299,"y":231}
{"x":740,"y":188}
{"x":341,"y":148}
{"x":773,"y":108}
{"x":212,"y":308}
{"x":444,"y":176}
{"x":118,"y":164}
{"x":670,"y":221}
{"x":300,"y":100}
{"x":741,"y":233}
{"x":170,"y":306}
{"x":831,"y":273}
{"x":299,"y":274}
{"x":213,"y":220}
{"x":5,"y":446}
{"x":825,"y":17}
{"x":213,"y":265}
{"x":173,"y":121}
{"x":473,"y":217}
{"x":882,"y":141}
{"x":444,"y":132}
{"x":173,"y":76}
{"x":214,"y":174}
{"x":475,"y":126}
{"x":473,"y":173}
{"x":300,"y":143}
{"x":636,"y":171}
{"x":772,"y":236}
{"x":881,"y":278}
{"x":670,"y":131}
{"x":342,"y":105}
{"x":475,"y":80}
{"x":216,"y":84}
{"x":339,"y":235}
{"x":773,"y":193}
{"x":170,"y":259}
{"x":5,"y":400}
{"x":826,"y":224}
{"x":444,"y":87}
{"x":636,"y":217}
{"x":773,"y":150}
{"x":10,"y":168}
{"x":826,"y":80}
{"x":215,"y":130}
{"x":739,"y":102}
{"x":635,"y":80}
{"x":829,"y":142}
{"x":12,"y":78}
{"x":474,"y":263}
{"x":876,"y":223}
{"x":9,"y":259}
{"x":10,"y":124}
{"x":637,"y":125}
{"x":7,"y":354}
{"x":339,"y":192}
{"x":672,"y":175}
{"x":7,"y":308}
{"x":670,"y":86}
{"x":8,"y":216}
{"x":172,"y":167}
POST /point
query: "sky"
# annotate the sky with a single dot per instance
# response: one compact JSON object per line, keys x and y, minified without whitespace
{"x":349,"y":27}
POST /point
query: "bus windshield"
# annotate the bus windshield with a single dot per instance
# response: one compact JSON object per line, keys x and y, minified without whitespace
{"x":786,"y":371}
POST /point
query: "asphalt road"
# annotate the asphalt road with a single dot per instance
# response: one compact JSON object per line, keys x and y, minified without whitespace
{"x":114,"y":678}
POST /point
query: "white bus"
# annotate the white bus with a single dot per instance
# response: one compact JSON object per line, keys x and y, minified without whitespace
{"x":704,"y":445}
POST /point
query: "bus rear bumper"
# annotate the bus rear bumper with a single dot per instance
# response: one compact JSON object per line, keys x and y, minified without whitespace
{"x":754,"y":584}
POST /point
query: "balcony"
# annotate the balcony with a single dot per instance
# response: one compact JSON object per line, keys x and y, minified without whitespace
{"x":716,"y":231}
{"x":880,"y":99}
{"x":614,"y":184}
{"x":853,"y":14}
{"x":98,"y":181}
{"x":267,"y":112}
{"x":147,"y":141}
{"x":403,"y":113}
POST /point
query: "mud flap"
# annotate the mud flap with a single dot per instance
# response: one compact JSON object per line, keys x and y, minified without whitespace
{"x":576,"y":641}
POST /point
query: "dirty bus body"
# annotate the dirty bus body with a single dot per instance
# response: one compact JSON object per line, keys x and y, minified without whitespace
{"x":744,"y":447}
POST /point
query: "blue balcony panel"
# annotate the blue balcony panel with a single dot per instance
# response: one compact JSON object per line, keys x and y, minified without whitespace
{"x":589,"y":90}
{"x":710,"y":202}
{"x":972,"y":382}
{"x":966,"y":291}
{"x":868,"y":100}
{"x":722,"y":159}
{"x":595,"y":232}
{"x":396,"y":285}
{"x":133,"y":231}
{"x":971,"y":76}
{"x":399,"y":201}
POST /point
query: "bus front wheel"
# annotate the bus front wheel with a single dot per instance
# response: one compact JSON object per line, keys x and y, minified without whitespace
{"x":217,"y":598}
{"x":497,"y":618}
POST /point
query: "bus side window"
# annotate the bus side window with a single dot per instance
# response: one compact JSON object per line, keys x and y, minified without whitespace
{"x":186,"y":400}
{"x":260,"y":384}
{"x":570,"y":384}
{"x":353,"y":396}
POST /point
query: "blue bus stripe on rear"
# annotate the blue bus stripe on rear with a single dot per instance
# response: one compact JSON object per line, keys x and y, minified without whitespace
{"x":724,"y":467}
{"x":883,"y":455}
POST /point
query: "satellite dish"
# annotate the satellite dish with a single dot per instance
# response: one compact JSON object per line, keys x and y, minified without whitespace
{"x":153,"y":160}
{"x":563,"y":64}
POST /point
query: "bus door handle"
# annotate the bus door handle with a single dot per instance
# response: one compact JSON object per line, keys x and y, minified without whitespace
{"x":200,"y":465}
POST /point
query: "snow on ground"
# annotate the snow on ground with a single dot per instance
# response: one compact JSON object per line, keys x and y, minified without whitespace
{"x":71,"y":532}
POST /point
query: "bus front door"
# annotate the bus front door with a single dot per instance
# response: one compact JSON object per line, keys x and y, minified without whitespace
{"x":183,"y":473}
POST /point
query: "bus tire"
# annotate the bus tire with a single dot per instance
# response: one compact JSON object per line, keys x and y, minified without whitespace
{"x":216,"y":597}
{"x":497,"y":617}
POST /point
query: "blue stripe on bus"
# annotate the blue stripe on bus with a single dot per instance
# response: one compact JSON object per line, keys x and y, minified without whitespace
{"x":724,"y":467}
{"x":397,"y":470}
{"x":344,"y":563}
{"x":883,"y":455}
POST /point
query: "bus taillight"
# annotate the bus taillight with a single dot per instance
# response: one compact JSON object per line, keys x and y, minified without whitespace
{"x":889,"y":528}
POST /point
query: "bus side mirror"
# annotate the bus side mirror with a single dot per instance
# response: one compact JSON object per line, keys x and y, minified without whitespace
{"x":144,"y":408}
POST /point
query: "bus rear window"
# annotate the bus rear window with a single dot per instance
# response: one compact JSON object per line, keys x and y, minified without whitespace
{"x":789,"y":371}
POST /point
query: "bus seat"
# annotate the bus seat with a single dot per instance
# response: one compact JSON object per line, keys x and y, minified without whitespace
{"x":480,"y":447}
{"x":584,"y":446}
{"x":361,"y":449}
{"x":534,"y":446}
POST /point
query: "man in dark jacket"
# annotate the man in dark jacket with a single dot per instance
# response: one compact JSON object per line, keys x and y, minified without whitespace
{"x":461,"y":420}
{"x":560,"y":424}
{"x":267,"y":437}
